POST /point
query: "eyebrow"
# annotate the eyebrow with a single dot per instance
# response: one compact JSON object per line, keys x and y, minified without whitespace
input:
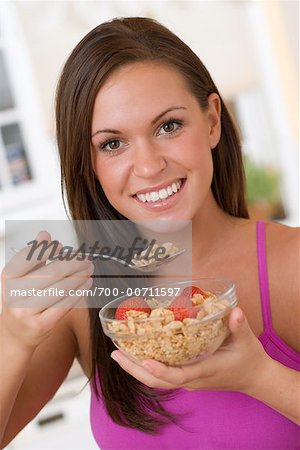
{"x":153,"y":122}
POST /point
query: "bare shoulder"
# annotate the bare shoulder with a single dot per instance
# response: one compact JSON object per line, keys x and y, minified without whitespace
{"x":79,"y":323}
{"x":283,"y":251}
{"x":284,"y":237}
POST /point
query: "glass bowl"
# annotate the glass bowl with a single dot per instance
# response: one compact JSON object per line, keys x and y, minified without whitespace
{"x":176,"y":327}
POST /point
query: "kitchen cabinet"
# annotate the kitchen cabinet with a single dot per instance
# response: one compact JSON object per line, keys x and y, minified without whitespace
{"x":29,"y":169}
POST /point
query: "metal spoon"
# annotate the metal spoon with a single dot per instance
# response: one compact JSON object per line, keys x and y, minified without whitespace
{"x":151,"y":267}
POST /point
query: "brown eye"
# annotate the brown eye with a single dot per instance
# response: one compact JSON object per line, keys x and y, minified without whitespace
{"x":113,"y":145}
{"x":167,"y":127}
{"x":170,"y":127}
{"x":110,"y":146}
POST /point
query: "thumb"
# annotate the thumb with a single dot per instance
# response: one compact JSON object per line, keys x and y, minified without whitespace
{"x":43,"y":236}
{"x":238,"y":324}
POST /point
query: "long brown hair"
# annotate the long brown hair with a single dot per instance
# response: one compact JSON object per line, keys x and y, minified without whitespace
{"x":106,"y":48}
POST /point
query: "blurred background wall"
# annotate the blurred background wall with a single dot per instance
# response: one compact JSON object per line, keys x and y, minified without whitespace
{"x":251,"y":49}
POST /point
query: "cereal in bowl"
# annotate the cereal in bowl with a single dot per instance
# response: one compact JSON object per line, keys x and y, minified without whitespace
{"x":192,"y":325}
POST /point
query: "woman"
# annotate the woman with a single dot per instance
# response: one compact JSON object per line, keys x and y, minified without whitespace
{"x":137,"y":111}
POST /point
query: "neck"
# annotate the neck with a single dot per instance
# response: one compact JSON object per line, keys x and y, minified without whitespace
{"x":212,"y":232}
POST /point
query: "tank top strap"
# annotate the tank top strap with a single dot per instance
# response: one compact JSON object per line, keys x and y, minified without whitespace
{"x":263,"y":274}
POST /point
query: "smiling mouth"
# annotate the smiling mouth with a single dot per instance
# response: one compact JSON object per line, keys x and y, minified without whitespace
{"x":161,"y":194}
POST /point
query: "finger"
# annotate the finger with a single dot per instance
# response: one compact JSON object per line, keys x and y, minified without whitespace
{"x":40,"y":299}
{"x":45,"y":236}
{"x":200,"y":373}
{"x":239,"y":326}
{"x":27,"y":259}
{"x":139,"y":372}
{"x":52,"y":315}
{"x":75,"y":296}
{"x":61,"y":269}
{"x":181,"y":375}
{"x":52,"y":273}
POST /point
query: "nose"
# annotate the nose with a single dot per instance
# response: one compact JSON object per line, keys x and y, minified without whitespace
{"x":148,"y":160}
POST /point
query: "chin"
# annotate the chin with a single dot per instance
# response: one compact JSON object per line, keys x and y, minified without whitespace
{"x":164,"y":225}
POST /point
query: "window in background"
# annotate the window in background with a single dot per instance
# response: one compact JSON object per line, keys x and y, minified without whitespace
{"x":6,"y":99}
{"x":14,"y":149}
{"x":263,"y":175}
{"x":29,"y":171}
{"x":15,"y":169}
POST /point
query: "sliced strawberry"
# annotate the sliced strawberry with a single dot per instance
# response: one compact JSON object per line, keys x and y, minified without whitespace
{"x":183,"y":308}
{"x":192,"y":290}
{"x":132,"y":303}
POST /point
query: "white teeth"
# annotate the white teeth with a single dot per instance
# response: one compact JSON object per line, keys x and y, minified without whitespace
{"x":154,"y":196}
{"x":174,"y":187}
{"x":161,"y":194}
{"x":169,"y":189}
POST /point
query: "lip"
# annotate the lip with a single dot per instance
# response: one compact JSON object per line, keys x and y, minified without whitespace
{"x":158,"y":186}
{"x":161,"y":205}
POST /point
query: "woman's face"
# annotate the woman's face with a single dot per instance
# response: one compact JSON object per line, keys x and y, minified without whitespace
{"x":151,"y":143}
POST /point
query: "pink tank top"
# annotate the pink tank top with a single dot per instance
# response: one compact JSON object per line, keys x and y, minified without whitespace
{"x":215,"y":420}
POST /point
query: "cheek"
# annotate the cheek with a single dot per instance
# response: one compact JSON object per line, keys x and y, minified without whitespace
{"x":111,"y":173}
{"x":194,"y":151}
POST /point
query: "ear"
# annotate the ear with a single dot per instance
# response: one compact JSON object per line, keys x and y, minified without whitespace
{"x":214,"y":119}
